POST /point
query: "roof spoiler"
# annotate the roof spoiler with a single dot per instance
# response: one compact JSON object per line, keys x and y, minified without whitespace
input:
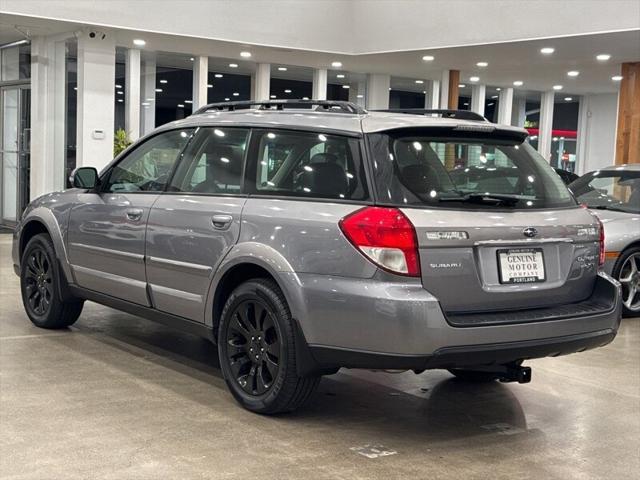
{"x":336,"y":106}
{"x":444,"y":113}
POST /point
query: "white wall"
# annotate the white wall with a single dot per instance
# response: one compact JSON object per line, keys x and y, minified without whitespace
{"x":348,"y":26}
{"x":597,"y":131}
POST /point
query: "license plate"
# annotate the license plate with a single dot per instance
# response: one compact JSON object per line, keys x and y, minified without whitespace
{"x":521,"y":265}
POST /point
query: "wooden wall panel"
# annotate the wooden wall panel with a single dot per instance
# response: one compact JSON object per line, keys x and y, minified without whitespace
{"x":628,"y":129}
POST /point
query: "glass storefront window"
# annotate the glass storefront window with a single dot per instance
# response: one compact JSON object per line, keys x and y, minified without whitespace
{"x":167,"y":91}
{"x":15,"y":63}
{"x":225,"y":87}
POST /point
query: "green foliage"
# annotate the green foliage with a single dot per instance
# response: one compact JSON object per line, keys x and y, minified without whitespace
{"x":120,"y":141}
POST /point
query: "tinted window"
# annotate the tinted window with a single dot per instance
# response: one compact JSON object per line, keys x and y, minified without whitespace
{"x":213,"y":163}
{"x":423,"y":170}
{"x":308,"y":164}
{"x":610,"y":190}
{"x":147,"y":168}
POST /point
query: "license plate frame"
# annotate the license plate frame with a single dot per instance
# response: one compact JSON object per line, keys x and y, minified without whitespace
{"x":503,"y":253}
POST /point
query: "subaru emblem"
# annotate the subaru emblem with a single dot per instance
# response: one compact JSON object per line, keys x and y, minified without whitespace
{"x":530,"y":232}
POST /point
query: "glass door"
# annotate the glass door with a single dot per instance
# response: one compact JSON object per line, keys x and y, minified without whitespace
{"x":15,"y":136}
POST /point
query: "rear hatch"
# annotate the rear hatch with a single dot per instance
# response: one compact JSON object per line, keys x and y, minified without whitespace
{"x":496,"y":227}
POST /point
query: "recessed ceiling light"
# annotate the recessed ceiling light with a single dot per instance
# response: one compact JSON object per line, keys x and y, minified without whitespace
{"x":120,"y":100}
{"x":227,"y":99}
{"x":547,"y":50}
{"x":218,"y":75}
{"x":340,"y":75}
{"x":188,"y":101}
{"x":360,"y":96}
{"x":118,"y":86}
{"x":158,"y":90}
{"x":518,"y":83}
{"x":287,"y":91}
{"x":192,"y":59}
{"x":233,"y":65}
{"x":424,"y":92}
{"x":163,"y":81}
{"x":617,"y":78}
{"x":236,"y":94}
{"x":139,"y":42}
{"x":498,"y":89}
{"x":282,"y":69}
{"x":119,"y":92}
{"x":490,"y":104}
{"x":474,"y":79}
{"x":272,"y":96}
{"x":568,"y":99}
{"x":461,"y":85}
{"x":428,"y":58}
{"x":494,"y":96}
{"x":345,"y":86}
{"x":336,"y":64}
{"x":180,"y":105}
{"x":466,"y":104}
{"x":419,"y":82}
{"x":557,"y":87}
{"x":209,"y":85}
{"x":573,"y":73}
{"x":603,"y":57}
{"x":482,"y":64}
{"x":389,"y":88}
{"x":305,"y":98}
{"x":245,"y":54}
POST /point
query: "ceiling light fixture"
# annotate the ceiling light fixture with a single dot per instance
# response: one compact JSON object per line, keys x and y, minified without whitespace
{"x":461,"y":85}
{"x":359,"y":96}
{"x":188,"y":101}
{"x":287,"y":91}
{"x":482,"y":64}
{"x":494,"y":96}
{"x":340,"y":75}
{"x":218,"y":75}
{"x":236,"y":94}
{"x":158,"y":90}
{"x":557,"y":87}
{"x":282,"y":69}
{"x":118,"y":86}
{"x":474,"y":79}
{"x":138,"y":42}
{"x":336,"y":64}
{"x":233,"y":65}
{"x":272,"y":96}
{"x":518,"y":83}
{"x":180,"y":105}
{"x":573,"y":73}
{"x":617,"y":78}
{"x":547,"y":50}
{"x":245,"y":54}
{"x":428,"y":58}
{"x":568,"y":99}
{"x":209,"y":85}
{"x":163,"y":81}
{"x":419,"y":82}
{"x":227,"y":99}
{"x":603,"y":57}
{"x":345,"y":86}
{"x":192,"y":59}
{"x":498,"y":89}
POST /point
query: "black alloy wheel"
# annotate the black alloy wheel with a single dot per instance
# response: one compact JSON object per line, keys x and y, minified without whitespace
{"x":253,"y":347}
{"x":38,"y":279}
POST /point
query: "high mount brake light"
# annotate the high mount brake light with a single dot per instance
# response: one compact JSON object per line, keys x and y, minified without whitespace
{"x":386,"y":237}
{"x":601,"y":259}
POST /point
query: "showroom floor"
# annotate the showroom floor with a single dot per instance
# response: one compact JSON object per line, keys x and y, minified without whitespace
{"x":117,"y":397}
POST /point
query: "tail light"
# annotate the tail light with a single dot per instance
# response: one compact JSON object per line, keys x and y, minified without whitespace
{"x":602,"y":252}
{"x":386,"y":237}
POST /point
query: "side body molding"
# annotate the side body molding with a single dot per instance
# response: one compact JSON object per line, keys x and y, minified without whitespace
{"x":263,"y":256}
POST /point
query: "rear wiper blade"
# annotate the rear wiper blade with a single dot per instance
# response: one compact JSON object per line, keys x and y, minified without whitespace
{"x":493,"y":198}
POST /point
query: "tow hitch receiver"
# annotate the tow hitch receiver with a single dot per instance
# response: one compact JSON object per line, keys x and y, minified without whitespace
{"x":516,"y":374}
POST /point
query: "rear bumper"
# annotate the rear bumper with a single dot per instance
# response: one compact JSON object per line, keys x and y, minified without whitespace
{"x":380,"y":325}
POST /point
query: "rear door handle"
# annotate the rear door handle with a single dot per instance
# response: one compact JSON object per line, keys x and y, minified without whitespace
{"x":134,"y":214}
{"x":221,"y":222}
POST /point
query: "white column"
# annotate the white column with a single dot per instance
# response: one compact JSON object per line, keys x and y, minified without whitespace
{"x":444,"y":90}
{"x":478,"y":95}
{"x":432,"y":97}
{"x":519,"y":114}
{"x":48,"y":115}
{"x":95,"y":115}
{"x":505,"y":106}
{"x":148,"y":94}
{"x":200,"y":80}
{"x":262,"y":82}
{"x":132,"y":93}
{"x":546,"y":124}
{"x":378,"y":91}
{"x":319,"y":91}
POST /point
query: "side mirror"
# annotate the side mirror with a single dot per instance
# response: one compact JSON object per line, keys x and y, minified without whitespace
{"x":84,"y":177}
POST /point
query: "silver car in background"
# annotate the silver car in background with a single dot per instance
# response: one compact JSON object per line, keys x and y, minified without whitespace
{"x":307,"y":236}
{"x":613,"y":193}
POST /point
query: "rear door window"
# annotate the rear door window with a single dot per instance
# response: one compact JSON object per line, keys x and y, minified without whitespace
{"x":308,"y":164}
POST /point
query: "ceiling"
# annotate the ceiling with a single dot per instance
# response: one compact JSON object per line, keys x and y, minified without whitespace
{"x":507,"y":62}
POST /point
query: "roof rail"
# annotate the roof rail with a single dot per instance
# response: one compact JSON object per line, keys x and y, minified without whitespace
{"x":461,"y":114}
{"x":321,"y":105}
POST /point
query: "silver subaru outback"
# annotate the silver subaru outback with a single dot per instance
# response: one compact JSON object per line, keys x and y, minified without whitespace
{"x":307,"y":236}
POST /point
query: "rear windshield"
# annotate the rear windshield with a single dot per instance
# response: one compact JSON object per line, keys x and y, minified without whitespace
{"x":417,"y":170}
{"x":609,"y":190}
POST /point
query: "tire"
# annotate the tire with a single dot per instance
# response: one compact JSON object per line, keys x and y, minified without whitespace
{"x":257,"y":350}
{"x":473,"y":375}
{"x":627,"y":271}
{"x":41,"y":288}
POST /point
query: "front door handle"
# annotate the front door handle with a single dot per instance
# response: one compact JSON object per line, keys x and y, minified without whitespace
{"x":134,"y":214}
{"x":221,"y":222}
